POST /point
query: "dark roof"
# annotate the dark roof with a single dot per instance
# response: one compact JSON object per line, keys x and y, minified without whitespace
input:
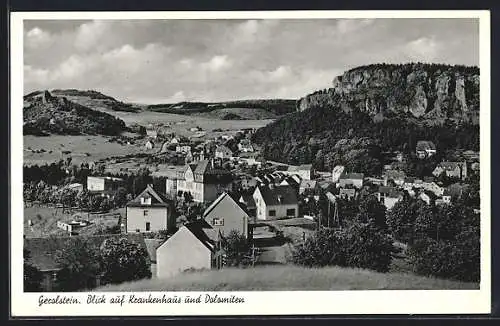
{"x":392,"y":192}
{"x":204,"y":232}
{"x":158,"y":199}
{"x":248,"y":201}
{"x":43,"y":250}
{"x":352,"y":176}
{"x":423,"y":145}
{"x":450,"y":165}
{"x":279,"y":195}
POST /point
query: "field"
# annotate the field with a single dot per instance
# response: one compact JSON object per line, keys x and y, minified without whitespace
{"x":44,"y":221}
{"x":289,"y":278}
{"x":93,"y":148}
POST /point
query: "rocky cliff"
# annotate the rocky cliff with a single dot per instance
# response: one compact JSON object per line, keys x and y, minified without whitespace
{"x":429,"y":92}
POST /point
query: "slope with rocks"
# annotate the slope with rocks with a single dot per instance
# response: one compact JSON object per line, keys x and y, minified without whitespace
{"x":45,"y":114}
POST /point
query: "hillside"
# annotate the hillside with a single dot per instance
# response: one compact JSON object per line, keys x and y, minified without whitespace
{"x":95,"y":100}
{"x":283,"y":278}
{"x":430,"y":92}
{"x":234,"y":110}
{"x":333,"y":127}
{"x":45,"y":114}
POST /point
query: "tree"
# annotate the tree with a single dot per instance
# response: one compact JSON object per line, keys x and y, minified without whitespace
{"x":372,"y":211}
{"x":32,"y":275}
{"x":123,"y":260}
{"x":79,"y":265}
{"x":401,"y":219}
{"x":237,"y":249}
{"x":361,"y":245}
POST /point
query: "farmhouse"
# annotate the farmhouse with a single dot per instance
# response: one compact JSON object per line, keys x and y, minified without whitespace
{"x":425,"y":149}
{"x":193,"y":247}
{"x":223,"y":152}
{"x":355,"y":179}
{"x":103,"y":184}
{"x":226,"y":215}
{"x":451,"y":169}
{"x":274,"y":202}
{"x":389,"y":196}
{"x":43,"y":253}
{"x":150,"y":211}
{"x":204,"y":181}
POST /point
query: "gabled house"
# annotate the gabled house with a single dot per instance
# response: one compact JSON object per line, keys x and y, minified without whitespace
{"x":274,"y":202}
{"x":354,"y":179}
{"x":149,"y":145}
{"x":451,"y":169}
{"x":204,"y":181}
{"x":225,"y":215}
{"x":150,"y":211}
{"x":43,"y":252}
{"x":337,"y":172}
{"x":389,"y":196}
{"x":398,"y":177}
{"x":425,"y":149}
{"x":223,"y":152}
{"x":195,"y":246}
{"x":304,"y":171}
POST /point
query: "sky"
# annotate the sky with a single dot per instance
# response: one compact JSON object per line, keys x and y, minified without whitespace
{"x":166,"y":61}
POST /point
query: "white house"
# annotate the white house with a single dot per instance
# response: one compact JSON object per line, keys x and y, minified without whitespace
{"x":226,"y":215}
{"x":389,"y":196}
{"x":355,"y":179}
{"x":274,"y":202}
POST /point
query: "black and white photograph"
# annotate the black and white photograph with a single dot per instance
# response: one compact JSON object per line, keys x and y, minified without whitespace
{"x":223,"y":155}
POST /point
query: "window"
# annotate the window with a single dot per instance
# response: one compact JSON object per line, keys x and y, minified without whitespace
{"x":137,"y":230}
{"x":54,"y":276}
{"x":272,"y":212}
{"x":218,"y":222}
{"x":290,"y":212}
{"x":146,"y":212}
{"x":145,"y":201}
{"x":148,"y":226}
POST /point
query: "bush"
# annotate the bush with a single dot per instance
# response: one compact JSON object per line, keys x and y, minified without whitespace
{"x":237,"y":250}
{"x":124,"y":261}
{"x":361,"y":245}
{"x":32,"y":275}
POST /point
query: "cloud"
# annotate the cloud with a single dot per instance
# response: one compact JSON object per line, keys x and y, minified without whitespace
{"x":36,"y":38}
{"x":217,"y":63}
{"x":90,"y":34}
{"x":424,"y":48}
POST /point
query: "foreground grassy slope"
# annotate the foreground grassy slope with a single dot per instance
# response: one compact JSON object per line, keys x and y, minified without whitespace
{"x":281,"y":278}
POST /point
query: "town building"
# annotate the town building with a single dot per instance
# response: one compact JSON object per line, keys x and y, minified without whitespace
{"x":183,"y":149}
{"x":425,"y":149}
{"x":43,"y":252}
{"x":275,"y":202}
{"x":223,"y":152}
{"x":347,"y":193}
{"x":204,"y":181}
{"x":354,"y":179}
{"x":150,"y":211}
{"x":451,"y":169}
{"x":304,"y":171}
{"x":245,"y":146}
{"x":226,"y":215}
{"x":389,"y":196}
{"x":104,"y":184}
{"x":193,"y":247}
{"x":308,"y":187}
{"x":398,"y":177}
